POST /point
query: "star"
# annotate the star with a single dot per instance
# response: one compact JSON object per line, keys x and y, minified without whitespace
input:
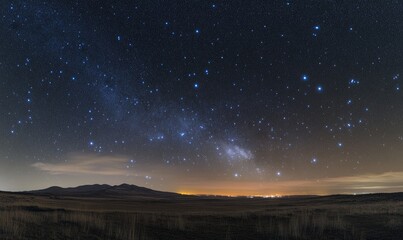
{"x":353,"y":82}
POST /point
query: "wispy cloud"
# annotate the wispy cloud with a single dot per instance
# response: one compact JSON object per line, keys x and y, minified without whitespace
{"x":366,"y":183}
{"x":87,"y":164}
{"x":112,"y":165}
{"x":176,"y":178}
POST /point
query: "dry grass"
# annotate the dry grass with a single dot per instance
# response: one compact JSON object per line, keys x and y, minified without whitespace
{"x":23,"y":217}
{"x":20,"y":223}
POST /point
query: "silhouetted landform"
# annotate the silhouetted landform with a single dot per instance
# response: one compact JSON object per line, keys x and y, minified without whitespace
{"x":128,"y":212}
{"x":129,"y":190}
{"x":104,"y":191}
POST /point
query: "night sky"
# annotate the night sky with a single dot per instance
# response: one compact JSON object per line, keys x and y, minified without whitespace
{"x":215,"y":97}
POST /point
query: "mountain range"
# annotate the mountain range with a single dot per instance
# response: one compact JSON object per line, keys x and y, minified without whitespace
{"x":104,"y":191}
{"x":128,"y":191}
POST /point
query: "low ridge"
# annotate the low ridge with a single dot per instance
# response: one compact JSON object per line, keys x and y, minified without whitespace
{"x":104,"y":190}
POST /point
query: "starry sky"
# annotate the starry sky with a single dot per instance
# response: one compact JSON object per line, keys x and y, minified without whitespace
{"x":214,"y":97}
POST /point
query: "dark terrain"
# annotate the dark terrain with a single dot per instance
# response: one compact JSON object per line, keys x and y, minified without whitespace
{"x":131,"y":212}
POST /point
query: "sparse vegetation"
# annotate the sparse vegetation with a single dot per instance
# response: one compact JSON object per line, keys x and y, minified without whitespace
{"x":28,"y":217}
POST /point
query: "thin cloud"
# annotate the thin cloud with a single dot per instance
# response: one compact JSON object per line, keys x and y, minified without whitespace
{"x":208,"y":183}
{"x":87,"y":164}
{"x":111,"y":165}
{"x":367,"y":183}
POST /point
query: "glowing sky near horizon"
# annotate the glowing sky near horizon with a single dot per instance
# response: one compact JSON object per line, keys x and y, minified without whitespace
{"x":214,"y":97}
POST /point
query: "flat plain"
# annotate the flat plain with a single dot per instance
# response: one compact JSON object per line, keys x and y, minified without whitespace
{"x":154,"y":216}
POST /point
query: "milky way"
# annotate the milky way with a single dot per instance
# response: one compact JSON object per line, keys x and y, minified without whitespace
{"x":256,"y":97}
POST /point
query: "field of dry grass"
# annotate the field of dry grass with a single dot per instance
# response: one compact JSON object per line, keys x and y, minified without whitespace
{"x":34,"y":217}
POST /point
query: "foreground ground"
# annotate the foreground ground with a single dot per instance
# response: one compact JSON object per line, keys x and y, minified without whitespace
{"x":24,"y":216}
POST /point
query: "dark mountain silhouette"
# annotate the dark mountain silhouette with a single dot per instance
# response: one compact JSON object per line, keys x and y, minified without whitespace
{"x":104,"y":191}
{"x":133,"y":191}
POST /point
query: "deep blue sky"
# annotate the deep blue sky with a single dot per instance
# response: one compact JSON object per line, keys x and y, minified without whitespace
{"x":238,"y":97}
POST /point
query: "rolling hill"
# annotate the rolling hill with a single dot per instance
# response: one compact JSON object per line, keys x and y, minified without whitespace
{"x":104,"y":191}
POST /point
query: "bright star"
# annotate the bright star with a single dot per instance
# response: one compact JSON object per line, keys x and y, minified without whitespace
{"x":353,"y":82}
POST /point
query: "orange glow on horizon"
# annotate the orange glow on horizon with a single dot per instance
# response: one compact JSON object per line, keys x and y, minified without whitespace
{"x":370,"y":183}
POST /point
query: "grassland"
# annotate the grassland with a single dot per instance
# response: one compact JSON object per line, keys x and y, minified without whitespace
{"x":25,"y":216}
